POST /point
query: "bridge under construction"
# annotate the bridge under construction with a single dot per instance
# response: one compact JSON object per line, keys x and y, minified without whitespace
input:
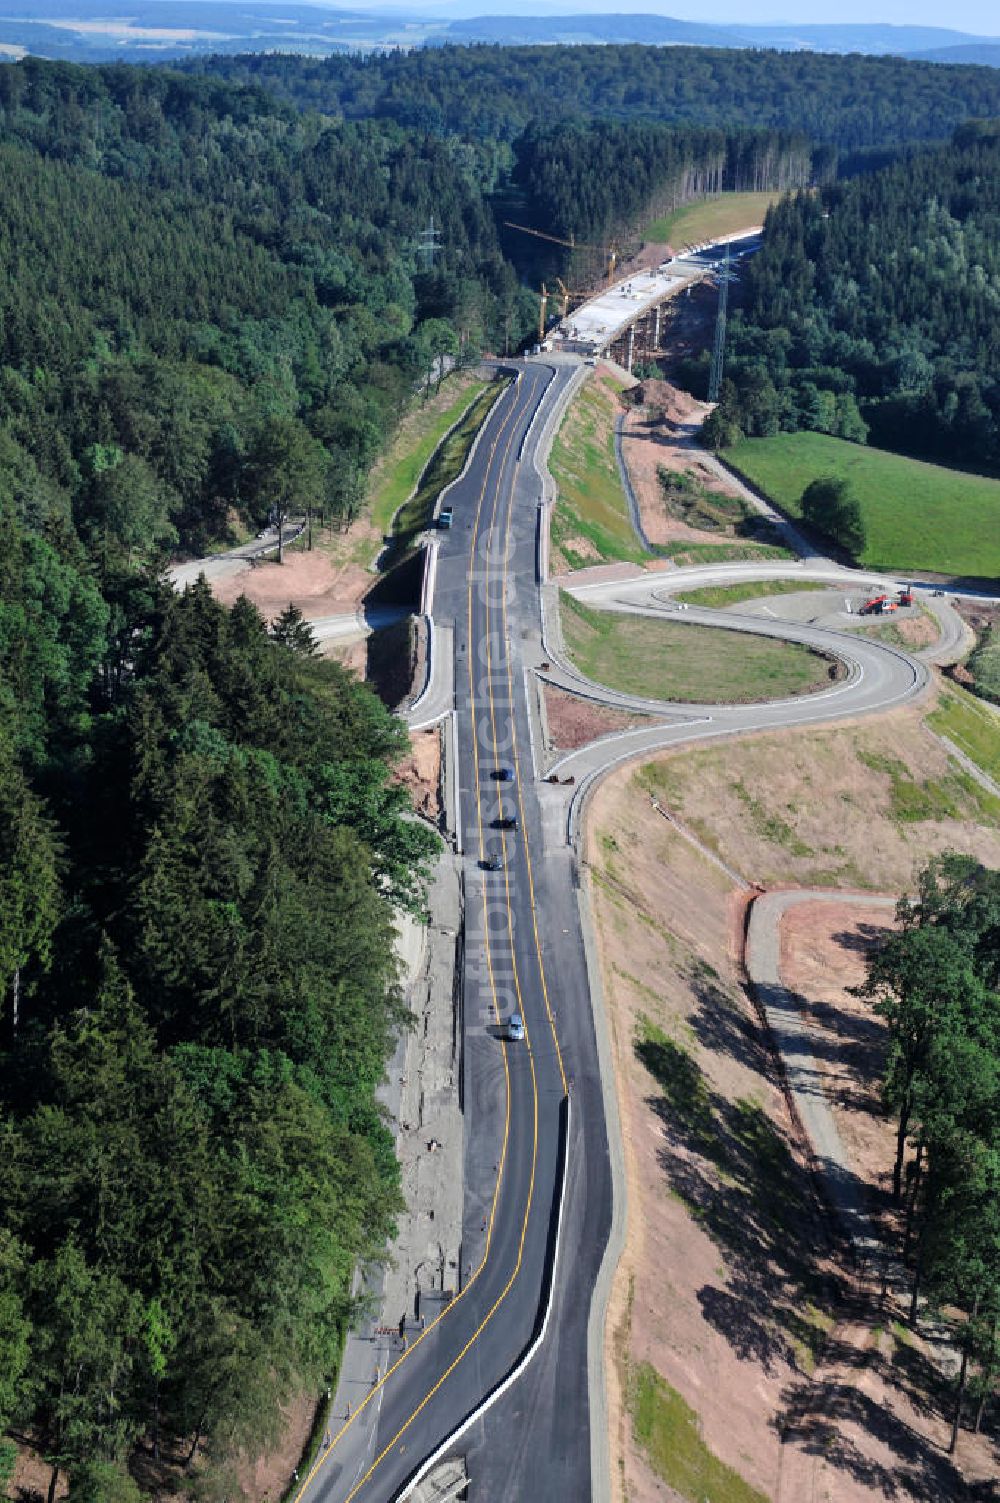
{"x":624,"y":321}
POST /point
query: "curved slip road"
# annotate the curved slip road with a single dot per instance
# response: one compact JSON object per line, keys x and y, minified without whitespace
{"x":879,"y":677}
{"x":524,"y":952}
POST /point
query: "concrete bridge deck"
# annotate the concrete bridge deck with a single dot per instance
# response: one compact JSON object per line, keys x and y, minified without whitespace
{"x":596,"y":325}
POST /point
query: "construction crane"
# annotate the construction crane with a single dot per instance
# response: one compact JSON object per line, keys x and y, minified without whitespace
{"x":610,"y":251}
{"x":544,"y":298}
{"x":564,"y":297}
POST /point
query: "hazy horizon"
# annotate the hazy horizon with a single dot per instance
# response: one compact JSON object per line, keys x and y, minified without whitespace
{"x":978,"y":17}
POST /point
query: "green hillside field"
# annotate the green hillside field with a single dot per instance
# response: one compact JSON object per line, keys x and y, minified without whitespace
{"x":917,"y":516}
{"x":707,"y":218}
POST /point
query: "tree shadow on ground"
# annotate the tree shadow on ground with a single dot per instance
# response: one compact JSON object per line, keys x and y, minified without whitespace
{"x":863,"y":937}
{"x":839,"y":1039}
{"x":819,"y":1415}
{"x":723,"y":1026}
{"x":742,"y":1182}
{"x":738,"y":1176}
{"x":852,"y":1040}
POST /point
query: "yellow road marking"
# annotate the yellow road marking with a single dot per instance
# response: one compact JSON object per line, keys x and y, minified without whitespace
{"x":326,"y":1454}
{"x":527,"y":851}
{"x":534,"y":1083}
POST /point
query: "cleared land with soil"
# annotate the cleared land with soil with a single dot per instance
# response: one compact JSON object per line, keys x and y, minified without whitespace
{"x":730,"y":1300}
{"x":701,"y":518}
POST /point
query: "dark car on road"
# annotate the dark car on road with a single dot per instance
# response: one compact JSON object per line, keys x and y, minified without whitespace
{"x":504,"y":774}
{"x":492,"y":863}
{"x":445,"y":518}
{"x":505,"y":822}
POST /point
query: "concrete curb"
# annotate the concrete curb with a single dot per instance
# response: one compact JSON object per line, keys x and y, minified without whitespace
{"x":501,"y":1388}
{"x":472,"y":448}
{"x":626,"y":480}
{"x":428,"y":666}
{"x":540,"y":464}
{"x":600,"y":1438}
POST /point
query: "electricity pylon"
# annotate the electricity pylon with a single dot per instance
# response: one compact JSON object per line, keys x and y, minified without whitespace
{"x":725,"y":275}
{"x":429,"y":244}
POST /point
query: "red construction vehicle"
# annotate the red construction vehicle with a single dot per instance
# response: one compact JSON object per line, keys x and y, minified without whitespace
{"x":879,"y":605}
{"x":906,"y":596}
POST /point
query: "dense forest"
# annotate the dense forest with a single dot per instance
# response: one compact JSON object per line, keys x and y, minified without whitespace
{"x":603,"y":179}
{"x":935,"y":982}
{"x":874,"y":307}
{"x":205,"y":299}
{"x":196,"y":283}
{"x":200,"y":846}
{"x":494,"y":93}
{"x":213,"y":300}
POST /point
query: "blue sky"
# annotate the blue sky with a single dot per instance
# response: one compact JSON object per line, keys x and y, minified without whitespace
{"x":980,"y":16}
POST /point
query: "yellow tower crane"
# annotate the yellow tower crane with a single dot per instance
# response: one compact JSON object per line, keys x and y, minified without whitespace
{"x":609,"y":251}
{"x":543,"y":302}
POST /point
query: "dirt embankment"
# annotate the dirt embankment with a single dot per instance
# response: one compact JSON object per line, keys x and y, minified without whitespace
{"x":732,"y":1286}
{"x":574,"y":721}
{"x":712,"y":1283}
{"x":319,"y":583}
{"x":420,"y":772}
{"x":660,"y":432}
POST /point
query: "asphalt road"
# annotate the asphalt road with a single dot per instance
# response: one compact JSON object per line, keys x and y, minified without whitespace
{"x":513,"y":1092}
{"x":524,"y":953}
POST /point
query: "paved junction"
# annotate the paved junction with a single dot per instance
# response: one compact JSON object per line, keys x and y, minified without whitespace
{"x":506,"y":1374}
{"x":502,"y":1369}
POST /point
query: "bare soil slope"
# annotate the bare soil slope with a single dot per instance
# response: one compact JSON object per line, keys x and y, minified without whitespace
{"x":662,"y":432}
{"x":320,"y":583}
{"x":732,"y":1287}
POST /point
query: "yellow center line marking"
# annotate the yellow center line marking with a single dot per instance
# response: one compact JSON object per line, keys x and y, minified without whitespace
{"x":520,"y":803}
{"x":326,"y":1454}
{"x":496,"y":1012}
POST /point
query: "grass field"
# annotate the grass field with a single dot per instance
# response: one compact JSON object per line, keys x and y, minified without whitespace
{"x":446,"y":463}
{"x":684,"y":553}
{"x":984,"y":664}
{"x":688,"y":664}
{"x":667,"y":1429}
{"x":972,"y":726}
{"x":419,"y":435}
{"x":710,"y":217}
{"x":590,"y":521}
{"x":916,"y":515}
{"x":717,"y":596}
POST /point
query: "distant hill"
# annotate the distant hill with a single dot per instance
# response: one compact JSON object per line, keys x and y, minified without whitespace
{"x":651,"y":30}
{"x":986,"y":54}
{"x":873,"y":39}
{"x":665,"y":31}
{"x":154,"y":30}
